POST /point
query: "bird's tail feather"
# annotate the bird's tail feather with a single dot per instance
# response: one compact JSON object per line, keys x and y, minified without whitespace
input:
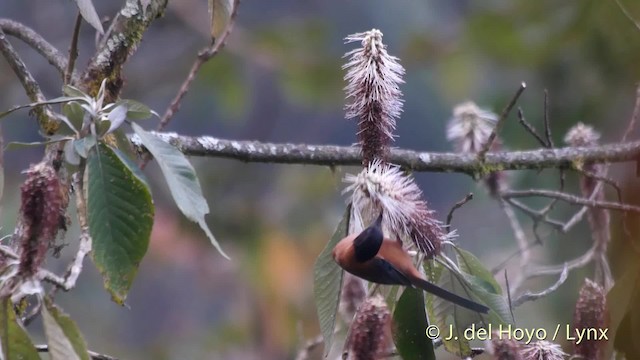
{"x":449,"y":296}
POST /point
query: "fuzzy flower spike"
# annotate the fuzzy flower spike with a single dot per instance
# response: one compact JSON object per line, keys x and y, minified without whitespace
{"x":405,"y":214}
{"x":373,"y":93}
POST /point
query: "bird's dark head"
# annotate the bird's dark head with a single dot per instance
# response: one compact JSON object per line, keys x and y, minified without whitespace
{"x":368,"y":243}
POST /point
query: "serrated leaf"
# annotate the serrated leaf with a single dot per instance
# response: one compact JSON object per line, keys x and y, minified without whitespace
{"x":327,"y":283}
{"x":470,"y":264}
{"x":120,"y":212}
{"x":410,"y":320}
{"x":444,"y":316}
{"x":89,"y":14}
{"x":220,"y":11}
{"x":63,"y":337}
{"x":182,"y":180}
{"x":14,"y":341}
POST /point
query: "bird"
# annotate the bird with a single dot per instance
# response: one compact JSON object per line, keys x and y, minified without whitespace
{"x":372,"y":257}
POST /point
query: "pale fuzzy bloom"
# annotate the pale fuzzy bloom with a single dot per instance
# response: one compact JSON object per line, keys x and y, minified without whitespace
{"x":370,"y":333}
{"x":503,"y":348}
{"x":591,"y":312}
{"x":582,"y":135}
{"x":543,"y":350}
{"x":373,"y":93}
{"x":470,"y":127}
{"x":405,"y":214}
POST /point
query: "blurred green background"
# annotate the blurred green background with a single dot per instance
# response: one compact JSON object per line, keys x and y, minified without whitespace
{"x":280,"y":80}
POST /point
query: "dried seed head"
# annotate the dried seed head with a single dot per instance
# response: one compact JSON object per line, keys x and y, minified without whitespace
{"x":503,"y":348}
{"x":39,"y":216}
{"x":373,"y":93}
{"x":543,"y":350}
{"x":591,"y":313}
{"x":470,"y":127}
{"x":354,"y":292}
{"x":405,"y":214}
{"x":370,"y":332}
{"x":581,"y":135}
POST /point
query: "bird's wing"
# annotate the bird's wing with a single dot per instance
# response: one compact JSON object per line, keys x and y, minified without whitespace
{"x":388,"y":274}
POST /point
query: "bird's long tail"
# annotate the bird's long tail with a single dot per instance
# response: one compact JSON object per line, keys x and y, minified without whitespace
{"x":449,"y":296}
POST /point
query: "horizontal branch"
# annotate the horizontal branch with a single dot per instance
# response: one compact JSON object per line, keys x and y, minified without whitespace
{"x":330,"y":155}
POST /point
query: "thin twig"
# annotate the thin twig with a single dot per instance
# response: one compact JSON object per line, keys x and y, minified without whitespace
{"x":37,"y":42}
{"x":30,"y":85}
{"x":455,"y":207}
{"x":628,"y":14}
{"x":521,"y":239}
{"x":73,"y":50}
{"x":500,"y":123}
{"x":203,"y":56}
{"x":571,"y":199}
{"x":529,"y":296}
{"x":530,"y":128}
{"x":94,"y":355}
{"x":310,"y":345}
{"x":547,"y":125}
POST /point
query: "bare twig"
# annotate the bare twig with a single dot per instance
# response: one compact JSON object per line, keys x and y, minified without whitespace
{"x":73,"y":50}
{"x":84,"y":245}
{"x":329,"y":155}
{"x":530,"y":128}
{"x":29,"y":84}
{"x":521,"y":238}
{"x":547,"y":125}
{"x":571,"y":199}
{"x":492,"y":137}
{"x":628,"y":14}
{"x":37,"y":42}
{"x":203,"y":56}
{"x":529,"y":296}
{"x":309,"y":346}
{"x":455,"y":207}
{"x":94,"y":355}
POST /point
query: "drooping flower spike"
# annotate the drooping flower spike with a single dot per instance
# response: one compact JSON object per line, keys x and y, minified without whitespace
{"x":406,"y":215}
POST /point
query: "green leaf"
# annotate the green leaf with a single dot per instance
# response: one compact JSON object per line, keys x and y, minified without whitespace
{"x":410,"y":321}
{"x":89,"y":14}
{"x":84,"y":145}
{"x":63,"y":337}
{"x":182,"y":180}
{"x":120,"y":213}
{"x":327,"y":283}
{"x":62,"y":99}
{"x":20,"y":145}
{"x":137,"y":110}
{"x":470,"y":264}
{"x":14,"y":341}
{"x":443,"y":314}
{"x":72,"y":91}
